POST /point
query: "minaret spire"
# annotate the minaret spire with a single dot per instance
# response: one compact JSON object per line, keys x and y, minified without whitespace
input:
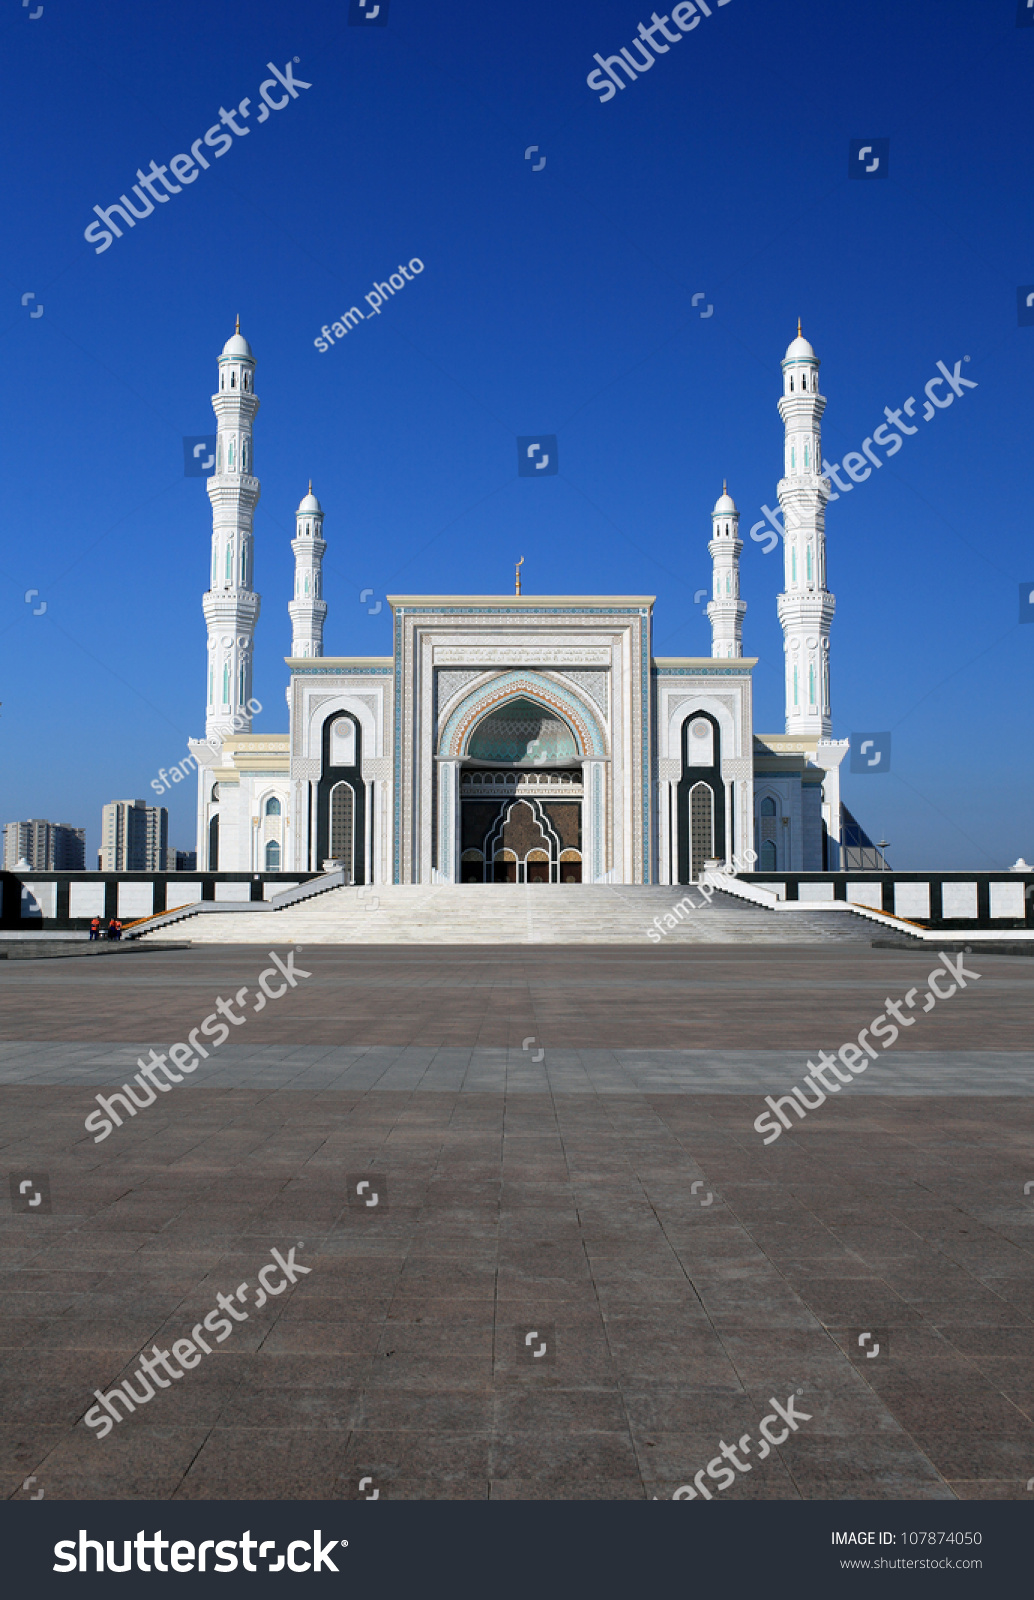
{"x":308,"y":609}
{"x":726,"y":610}
{"x":806,"y":606}
{"x":231,"y":606}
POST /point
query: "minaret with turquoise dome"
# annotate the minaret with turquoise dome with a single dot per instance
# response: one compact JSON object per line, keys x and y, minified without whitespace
{"x":726,"y":610}
{"x":231,"y":605}
{"x":806,"y":606}
{"x":308,"y":609}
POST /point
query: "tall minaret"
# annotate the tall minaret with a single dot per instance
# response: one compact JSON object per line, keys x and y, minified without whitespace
{"x":308,"y":609}
{"x":231,"y":606}
{"x":805,"y":607}
{"x":726,"y":610}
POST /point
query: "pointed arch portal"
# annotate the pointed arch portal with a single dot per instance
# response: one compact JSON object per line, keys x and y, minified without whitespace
{"x":520,"y":793}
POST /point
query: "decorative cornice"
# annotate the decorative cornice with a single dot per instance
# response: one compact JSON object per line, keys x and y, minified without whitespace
{"x":548,"y":604}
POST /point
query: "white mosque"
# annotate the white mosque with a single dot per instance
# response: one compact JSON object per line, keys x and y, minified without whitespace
{"x":519,"y":738}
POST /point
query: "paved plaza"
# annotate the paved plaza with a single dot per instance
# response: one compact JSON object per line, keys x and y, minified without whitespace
{"x":561,"y":1144}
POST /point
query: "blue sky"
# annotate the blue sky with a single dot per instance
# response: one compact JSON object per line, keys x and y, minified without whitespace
{"x":556,"y":301}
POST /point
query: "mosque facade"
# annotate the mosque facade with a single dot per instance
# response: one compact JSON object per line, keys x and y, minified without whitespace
{"x":519,"y":738}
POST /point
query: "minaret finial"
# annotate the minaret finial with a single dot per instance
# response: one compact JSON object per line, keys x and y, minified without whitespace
{"x":725,"y":486}
{"x":517,"y":576}
{"x":310,"y":485}
{"x":238,"y":327}
{"x":798,"y":327}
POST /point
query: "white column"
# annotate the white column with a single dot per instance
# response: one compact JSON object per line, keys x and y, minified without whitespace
{"x":449,"y":820}
{"x":594,"y":813}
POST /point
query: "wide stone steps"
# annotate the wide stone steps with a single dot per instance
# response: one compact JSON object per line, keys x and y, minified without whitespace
{"x":524,"y":914}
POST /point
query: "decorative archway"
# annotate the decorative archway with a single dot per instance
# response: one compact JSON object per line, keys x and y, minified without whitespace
{"x":701,"y":796}
{"x":341,"y":795}
{"x":523,"y":836}
{"x":541,"y":691}
{"x":546,"y":738}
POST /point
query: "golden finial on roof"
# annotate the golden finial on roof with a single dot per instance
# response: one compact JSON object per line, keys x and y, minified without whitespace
{"x":238,"y":327}
{"x":798,"y":327}
{"x":310,"y":485}
{"x":725,"y":486}
{"x":517,"y":576}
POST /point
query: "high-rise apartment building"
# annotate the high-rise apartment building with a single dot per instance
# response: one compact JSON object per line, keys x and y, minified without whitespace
{"x":46,"y":846}
{"x":134,"y":837}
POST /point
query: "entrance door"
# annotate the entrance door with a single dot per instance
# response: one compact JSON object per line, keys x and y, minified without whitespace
{"x":504,"y":867}
{"x":342,"y":827}
{"x":570,"y":867}
{"x":537,"y":867}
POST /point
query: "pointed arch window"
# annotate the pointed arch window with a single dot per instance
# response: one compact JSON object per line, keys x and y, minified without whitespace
{"x":229,"y":563}
{"x":791,"y":383}
{"x":273,"y":856}
{"x":805,"y":458}
{"x":244,"y":569}
{"x":226,"y":683}
{"x":233,"y":380}
{"x":231,"y":456}
{"x":807,"y":558}
{"x":793,"y":459}
{"x":342,"y":827}
{"x":811,"y":685}
{"x":701,"y":828}
{"x":242,"y":683}
{"x":793,"y":566}
{"x":273,"y":807}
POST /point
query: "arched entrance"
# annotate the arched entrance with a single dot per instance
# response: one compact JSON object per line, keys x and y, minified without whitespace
{"x":341,"y":797}
{"x":520,"y":792}
{"x":342,"y":827}
{"x":701,"y":797}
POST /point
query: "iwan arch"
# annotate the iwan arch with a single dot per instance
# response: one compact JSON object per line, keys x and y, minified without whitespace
{"x":522,"y":738}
